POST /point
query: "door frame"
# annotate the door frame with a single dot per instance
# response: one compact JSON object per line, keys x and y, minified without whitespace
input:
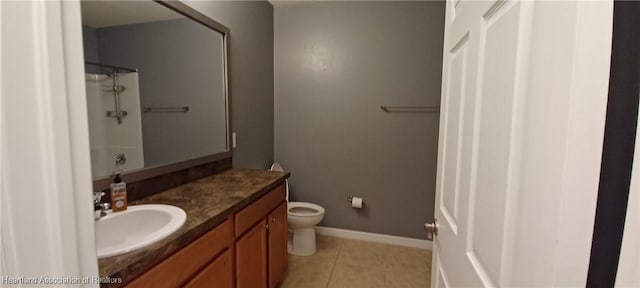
{"x":619,"y":145}
{"x":45,"y":184}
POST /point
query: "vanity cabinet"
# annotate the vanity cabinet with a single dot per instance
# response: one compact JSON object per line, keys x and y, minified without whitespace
{"x":261,"y":248}
{"x":247,"y":250}
{"x":207,"y":251}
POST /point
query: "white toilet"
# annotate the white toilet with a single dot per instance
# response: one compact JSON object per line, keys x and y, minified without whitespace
{"x":302,"y":218}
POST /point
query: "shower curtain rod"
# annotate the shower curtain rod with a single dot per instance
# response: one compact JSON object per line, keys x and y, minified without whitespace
{"x":117,"y":68}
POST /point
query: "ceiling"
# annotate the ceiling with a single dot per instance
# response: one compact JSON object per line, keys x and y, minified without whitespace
{"x":99,"y":14}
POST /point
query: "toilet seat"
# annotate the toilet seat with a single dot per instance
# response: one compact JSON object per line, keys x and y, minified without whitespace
{"x":304,"y":209}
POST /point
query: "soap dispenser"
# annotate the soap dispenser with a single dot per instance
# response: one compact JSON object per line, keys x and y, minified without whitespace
{"x":118,"y":187}
{"x":118,"y":194}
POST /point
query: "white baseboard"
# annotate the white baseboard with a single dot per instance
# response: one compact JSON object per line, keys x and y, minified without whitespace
{"x":377,"y":238}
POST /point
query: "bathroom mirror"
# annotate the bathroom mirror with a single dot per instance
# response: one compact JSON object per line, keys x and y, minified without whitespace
{"x":156,"y":80}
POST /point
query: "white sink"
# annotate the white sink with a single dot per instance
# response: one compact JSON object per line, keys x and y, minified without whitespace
{"x":137,"y":227}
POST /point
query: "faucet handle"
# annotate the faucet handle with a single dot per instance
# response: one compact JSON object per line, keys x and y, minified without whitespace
{"x":100,"y":209}
{"x":97,"y":196}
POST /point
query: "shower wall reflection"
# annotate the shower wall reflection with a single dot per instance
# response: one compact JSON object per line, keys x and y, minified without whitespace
{"x":176,"y":108}
{"x":108,"y":136}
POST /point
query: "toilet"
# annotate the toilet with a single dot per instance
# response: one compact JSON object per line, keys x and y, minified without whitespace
{"x":302,"y":218}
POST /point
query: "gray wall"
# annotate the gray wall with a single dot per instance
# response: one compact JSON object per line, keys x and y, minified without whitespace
{"x":251,"y":76}
{"x":335,"y":63}
{"x":180,"y":63}
{"x":90,"y":44}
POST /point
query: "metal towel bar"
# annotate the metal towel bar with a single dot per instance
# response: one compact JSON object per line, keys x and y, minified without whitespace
{"x":181,"y":109}
{"x":412,"y":109}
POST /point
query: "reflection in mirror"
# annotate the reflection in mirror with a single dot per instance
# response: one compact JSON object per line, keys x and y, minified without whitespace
{"x":156,"y":86}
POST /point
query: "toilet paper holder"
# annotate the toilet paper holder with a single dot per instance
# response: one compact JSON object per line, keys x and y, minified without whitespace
{"x":351,"y":199}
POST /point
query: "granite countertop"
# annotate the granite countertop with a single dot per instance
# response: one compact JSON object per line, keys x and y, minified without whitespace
{"x":207,"y":201}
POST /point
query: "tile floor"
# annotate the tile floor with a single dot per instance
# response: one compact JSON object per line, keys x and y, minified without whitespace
{"x":347,"y":263}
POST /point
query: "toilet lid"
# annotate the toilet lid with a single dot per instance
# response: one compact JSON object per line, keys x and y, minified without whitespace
{"x":276,"y":167}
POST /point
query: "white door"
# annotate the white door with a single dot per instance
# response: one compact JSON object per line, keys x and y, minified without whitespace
{"x":523,"y":83}
{"x":45,"y":171}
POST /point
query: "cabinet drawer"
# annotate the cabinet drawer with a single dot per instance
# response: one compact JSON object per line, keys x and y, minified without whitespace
{"x":253,"y":213}
{"x":218,"y":274}
{"x":175,"y":270}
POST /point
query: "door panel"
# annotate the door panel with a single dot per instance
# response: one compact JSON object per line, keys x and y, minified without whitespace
{"x":485,"y":54}
{"x":453,"y":135}
{"x":496,"y":148}
{"x":442,"y":279}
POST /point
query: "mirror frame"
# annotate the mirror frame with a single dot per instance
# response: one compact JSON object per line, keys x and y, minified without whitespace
{"x":104,"y":182}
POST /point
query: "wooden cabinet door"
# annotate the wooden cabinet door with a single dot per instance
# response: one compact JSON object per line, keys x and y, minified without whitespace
{"x":251,"y":257}
{"x":278,"y":236}
{"x":218,"y":274}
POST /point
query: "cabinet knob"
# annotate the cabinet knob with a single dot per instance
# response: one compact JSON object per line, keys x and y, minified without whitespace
{"x":273,"y":220}
{"x":266,"y":226}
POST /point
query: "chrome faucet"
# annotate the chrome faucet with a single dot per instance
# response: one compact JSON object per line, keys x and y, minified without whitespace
{"x":99,"y":208}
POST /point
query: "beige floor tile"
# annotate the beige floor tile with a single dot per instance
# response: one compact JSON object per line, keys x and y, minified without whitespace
{"x":327,"y":251}
{"x":341,"y":263}
{"x":397,"y":282}
{"x":407,"y":259}
{"x":346,"y":275}
{"x":362,"y":253}
{"x":307,"y":273}
{"x":327,"y":247}
{"x":302,"y":283}
{"x":407,"y":277}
